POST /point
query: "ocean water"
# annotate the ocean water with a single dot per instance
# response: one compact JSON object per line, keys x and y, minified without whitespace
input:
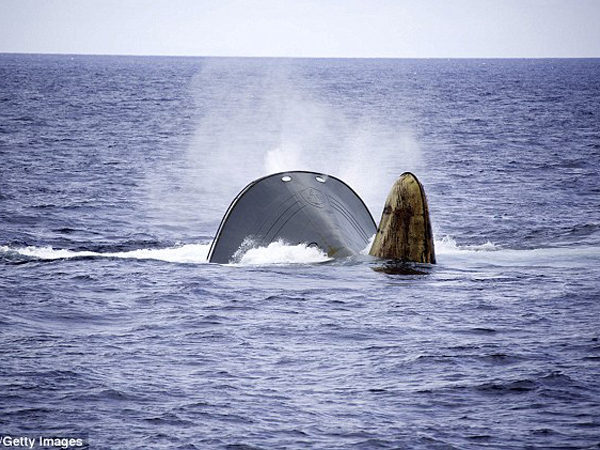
{"x":115,"y":173}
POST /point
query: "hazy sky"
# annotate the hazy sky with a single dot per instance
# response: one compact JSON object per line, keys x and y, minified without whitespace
{"x":328,"y":28}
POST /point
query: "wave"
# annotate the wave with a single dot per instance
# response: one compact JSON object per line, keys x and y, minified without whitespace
{"x":448,"y":245}
{"x":281,"y":253}
{"x":274,"y":253}
{"x":189,"y":253}
{"x":447,"y":250}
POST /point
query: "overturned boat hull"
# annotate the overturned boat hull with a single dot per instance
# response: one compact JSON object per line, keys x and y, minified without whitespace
{"x":297,"y":208}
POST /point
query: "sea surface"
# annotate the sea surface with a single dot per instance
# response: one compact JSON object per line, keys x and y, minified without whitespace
{"x":116,"y":171}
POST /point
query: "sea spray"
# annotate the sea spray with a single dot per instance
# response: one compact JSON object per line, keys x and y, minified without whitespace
{"x":255,"y":118}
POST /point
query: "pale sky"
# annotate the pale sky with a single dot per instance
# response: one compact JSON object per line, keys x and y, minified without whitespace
{"x":304,"y":28}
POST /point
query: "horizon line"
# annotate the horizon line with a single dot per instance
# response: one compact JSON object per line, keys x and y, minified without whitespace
{"x":142,"y":55}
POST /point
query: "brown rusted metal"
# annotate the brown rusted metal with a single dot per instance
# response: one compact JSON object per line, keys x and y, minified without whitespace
{"x":404,"y":231}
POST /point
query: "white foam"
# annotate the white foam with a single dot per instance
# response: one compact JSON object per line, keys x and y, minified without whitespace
{"x":448,"y":245}
{"x":365,"y":251}
{"x":447,"y":250}
{"x":275,"y":253}
{"x":190,"y":253}
{"x":281,"y":253}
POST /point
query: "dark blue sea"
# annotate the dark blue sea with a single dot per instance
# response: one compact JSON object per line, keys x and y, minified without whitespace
{"x":116,"y":171}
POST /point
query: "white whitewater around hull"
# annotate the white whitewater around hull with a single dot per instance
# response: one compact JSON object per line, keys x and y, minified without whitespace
{"x":278,"y":253}
{"x":449,"y":252}
{"x":189,"y":253}
{"x":274,"y":253}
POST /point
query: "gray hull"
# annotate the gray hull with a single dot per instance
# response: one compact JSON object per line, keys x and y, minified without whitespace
{"x":297,"y":208}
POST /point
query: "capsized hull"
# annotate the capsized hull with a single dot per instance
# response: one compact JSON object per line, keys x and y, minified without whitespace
{"x":298,"y":208}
